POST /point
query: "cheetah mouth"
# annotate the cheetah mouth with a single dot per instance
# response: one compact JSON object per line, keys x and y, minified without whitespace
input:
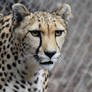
{"x":46,"y":63}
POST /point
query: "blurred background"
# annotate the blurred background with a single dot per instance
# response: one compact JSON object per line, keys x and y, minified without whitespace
{"x":74,"y":72}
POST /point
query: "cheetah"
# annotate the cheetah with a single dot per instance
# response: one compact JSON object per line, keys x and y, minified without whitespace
{"x":30,"y":45}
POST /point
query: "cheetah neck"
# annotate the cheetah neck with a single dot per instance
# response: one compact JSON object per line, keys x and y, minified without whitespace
{"x":38,"y":83}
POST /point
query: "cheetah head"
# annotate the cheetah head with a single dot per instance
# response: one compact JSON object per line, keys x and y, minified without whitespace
{"x":41,"y":33}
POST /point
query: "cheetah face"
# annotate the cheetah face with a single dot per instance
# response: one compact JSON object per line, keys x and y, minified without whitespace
{"x":43,"y":34}
{"x":46,"y":38}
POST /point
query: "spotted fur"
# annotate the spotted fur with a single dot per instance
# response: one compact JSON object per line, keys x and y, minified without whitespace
{"x":30,"y":45}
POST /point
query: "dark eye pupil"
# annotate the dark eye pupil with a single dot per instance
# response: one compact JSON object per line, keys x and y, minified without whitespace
{"x":58,"y":32}
{"x":35,"y":33}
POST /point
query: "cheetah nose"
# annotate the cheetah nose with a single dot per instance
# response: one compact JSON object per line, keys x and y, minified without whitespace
{"x":50,"y":53}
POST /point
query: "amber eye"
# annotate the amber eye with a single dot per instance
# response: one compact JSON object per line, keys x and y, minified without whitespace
{"x":58,"y":32}
{"x":35,"y":33}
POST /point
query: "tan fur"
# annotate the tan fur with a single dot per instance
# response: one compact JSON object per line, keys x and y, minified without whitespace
{"x":18,"y":28}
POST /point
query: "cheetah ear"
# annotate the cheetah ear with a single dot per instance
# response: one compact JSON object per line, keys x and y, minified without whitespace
{"x":19,"y":12}
{"x":65,"y":12}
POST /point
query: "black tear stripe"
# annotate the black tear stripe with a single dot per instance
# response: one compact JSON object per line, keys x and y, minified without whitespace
{"x":57,"y":45}
{"x":37,"y":51}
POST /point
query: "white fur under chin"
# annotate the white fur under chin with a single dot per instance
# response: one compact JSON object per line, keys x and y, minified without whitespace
{"x":48,"y":67}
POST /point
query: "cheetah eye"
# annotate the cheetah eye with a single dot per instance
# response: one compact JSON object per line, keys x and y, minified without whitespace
{"x":58,"y":32}
{"x":35,"y":33}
